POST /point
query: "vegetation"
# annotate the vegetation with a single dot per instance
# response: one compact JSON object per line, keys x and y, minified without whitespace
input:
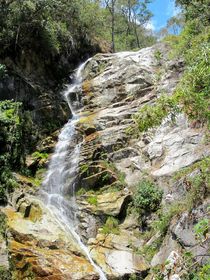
{"x":147,"y":197}
{"x":198,"y":188}
{"x":57,"y":25}
{"x":37,"y":155}
{"x":192,"y":93}
{"x":5,"y":274}
{"x":2,"y":224}
{"x":152,"y":115}
{"x":111,"y":226}
{"x":11,"y":150}
{"x":202,"y":228}
{"x":92,"y":200}
{"x":2,"y":71}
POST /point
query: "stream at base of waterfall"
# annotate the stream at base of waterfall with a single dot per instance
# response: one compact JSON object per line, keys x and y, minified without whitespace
{"x":58,"y":190}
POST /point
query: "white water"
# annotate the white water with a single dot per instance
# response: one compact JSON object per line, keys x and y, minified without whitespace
{"x":58,"y":185}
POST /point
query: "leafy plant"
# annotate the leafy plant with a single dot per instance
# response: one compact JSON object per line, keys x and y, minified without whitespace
{"x":37,"y":155}
{"x":152,"y":115}
{"x":2,"y":224}
{"x":2,"y":70}
{"x":203,"y":273}
{"x":5,"y":274}
{"x":147,"y":196}
{"x":111,"y":226}
{"x":158,"y":56}
{"x":92,"y":200}
{"x":201,"y":228}
{"x":165,"y":216}
{"x":81,"y":191}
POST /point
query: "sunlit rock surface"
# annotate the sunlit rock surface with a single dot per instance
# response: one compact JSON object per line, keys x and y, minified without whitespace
{"x":115,"y":86}
{"x":39,"y":247}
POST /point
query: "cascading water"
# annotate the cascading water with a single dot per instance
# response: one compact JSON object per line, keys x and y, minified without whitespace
{"x":58,"y":186}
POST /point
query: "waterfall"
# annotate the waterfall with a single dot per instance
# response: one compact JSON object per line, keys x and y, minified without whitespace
{"x":58,"y":185}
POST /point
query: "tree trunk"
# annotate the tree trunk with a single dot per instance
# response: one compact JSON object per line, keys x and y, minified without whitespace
{"x":113,"y":25}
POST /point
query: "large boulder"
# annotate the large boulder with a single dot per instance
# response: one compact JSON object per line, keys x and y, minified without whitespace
{"x":40,"y":247}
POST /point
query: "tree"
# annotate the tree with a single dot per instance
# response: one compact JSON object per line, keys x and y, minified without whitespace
{"x":135,"y":14}
{"x":196,"y":9}
{"x":111,"y":5}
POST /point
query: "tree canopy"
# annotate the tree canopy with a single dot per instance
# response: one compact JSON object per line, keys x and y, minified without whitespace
{"x":55,"y":25}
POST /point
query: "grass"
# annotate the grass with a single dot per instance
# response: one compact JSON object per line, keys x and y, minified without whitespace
{"x":152,"y":115}
{"x":92,"y":200}
{"x":111,"y":226}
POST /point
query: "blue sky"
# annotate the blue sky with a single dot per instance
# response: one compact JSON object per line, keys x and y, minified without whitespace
{"x":162,"y":10}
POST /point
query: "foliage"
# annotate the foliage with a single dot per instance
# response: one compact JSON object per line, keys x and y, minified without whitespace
{"x":158,"y":56}
{"x":147,"y":197}
{"x":2,"y":223}
{"x":202,"y":165}
{"x":196,"y":9}
{"x":165,"y":216}
{"x":81,"y":191}
{"x":15,"y":128}
{"x":152,"y":115}
{"x":127,"y":20}
{"x":2,"y":70}
{"x":37,"y":155}
{"x":92,"y":200}
{"x":193,"y":45}
{"x":203,"y":273}
{"x":11,"y":150}
{"x":192,"y":93}
{"x":198,"y":187}
{"x":5,"y":274}
{"x":58,"y":24}
{"x":148,"y":251}
{"x":194,"y":271}
{"x":111,"y":226}
{"x":201,"y":228}
{"x":133,"y":277}
{"x":193,"y":90}
{"x":197,"y":178}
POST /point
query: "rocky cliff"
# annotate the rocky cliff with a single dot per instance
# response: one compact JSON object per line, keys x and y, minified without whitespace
{"x":141,"y":196}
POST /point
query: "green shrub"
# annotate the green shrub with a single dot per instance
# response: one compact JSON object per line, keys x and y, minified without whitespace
{"x":4,"y":273}
{"x":2,"y":224}
{"x":201,"y":228}
{"x":203,"y":273}
{"x":111,"y":226}
{"x":12,"y":135}
{"x":81,"y":191}
{"x":2,"y":70}
{"x":165,"y":216}
{"x":192,"y":92}
{"x":147,"y":196}
{"x":158,"y":56}
{"x":92,"y":200}
{"x":37,"y":155}
{"x":152,"y":115}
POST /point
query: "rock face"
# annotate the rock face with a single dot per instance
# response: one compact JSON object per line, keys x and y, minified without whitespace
{"x":42,"y":249}
{"x":114,"y":89}
{"x":112,"y":161}
{"x":114,"y":255}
